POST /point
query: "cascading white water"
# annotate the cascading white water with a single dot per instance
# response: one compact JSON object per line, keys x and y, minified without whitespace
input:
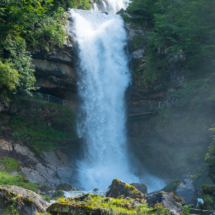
{"x":103,"y":79}
{"x":110,"y":6}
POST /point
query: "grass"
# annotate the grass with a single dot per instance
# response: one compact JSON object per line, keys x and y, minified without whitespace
{"x":17,"y":180}
{"x":44,"y":126}
{"x":10,"y":164}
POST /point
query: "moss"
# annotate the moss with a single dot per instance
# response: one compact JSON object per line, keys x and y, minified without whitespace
{"x":46,"y":126}
{"x":208,"y":196}
{"x":99,"y":204}
{"x":18,"y":180}
{"x":46,"y":197}
{"x":11,"y":164}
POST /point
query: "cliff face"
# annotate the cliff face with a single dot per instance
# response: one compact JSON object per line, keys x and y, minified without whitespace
{"x":142,"y":94}
{"x":55,"y":69}
{"x":169,"y":142}
{"x":42,"y":138}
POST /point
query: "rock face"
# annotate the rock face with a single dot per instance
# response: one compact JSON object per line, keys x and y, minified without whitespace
{"x":167,"y":200}
{"x":55,"y":72}
{"x":141,"y":187}
{"x":5,"y":145}
{"x":23,"y":201}
{"x":171,"y":187}
{"x":3,"y":105}
{"x":119,"y":188}
{"x":52,"y":168}
{"x":186,"y":190}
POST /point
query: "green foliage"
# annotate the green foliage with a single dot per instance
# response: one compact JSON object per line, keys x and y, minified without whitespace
{"x":210,"y":162}
{"x":22,"y":62}
{"x":145,"y":9}
{"x":107,"y":206}
{"x":46,"y":197}
{"x":17,"y":180}
{"x":10,"y":164}
{"x":9,"y":77}
{"x":31,"y":24}
{"x":181,"y":39}
{"x":187,"y":207}
{"x":53,"y":129}
{"x":208,"y":196}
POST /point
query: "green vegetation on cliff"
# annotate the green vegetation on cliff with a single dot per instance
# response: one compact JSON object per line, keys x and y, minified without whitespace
{"x":42,"y":126}
{"x":181,"y":39}
{"x":17,"y":180}
{"x":29,"y":25}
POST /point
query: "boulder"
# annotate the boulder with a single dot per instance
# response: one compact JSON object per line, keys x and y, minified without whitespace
{"x":201,"y":212}
{"x":94,"y":204}
{"x":72,"y":209}
{"x":64,"y":187}
{"x":120,"y":189}
{"x":17,"y":200}
{"x":171,"y":187}
{"x":167,"y":200}
{"x":5,"y":145}
{"x":141,"y":187}
{"x":186,"y":190}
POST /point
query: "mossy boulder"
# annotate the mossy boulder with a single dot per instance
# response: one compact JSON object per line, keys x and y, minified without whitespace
{"x":98,"y":205}
{"x":64,"y":187}
{"x":19,"y":201}
{"x":166,"y":199}
{"x":73,"y":208}
{"x":120,"y":189}
{"x":141,"y":187}
{"x":171,"y":187}
{"x":187,"y":191}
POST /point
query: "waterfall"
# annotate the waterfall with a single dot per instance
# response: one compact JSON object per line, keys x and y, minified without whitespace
{"x":110,"y":6}
{"x":103,"y":77}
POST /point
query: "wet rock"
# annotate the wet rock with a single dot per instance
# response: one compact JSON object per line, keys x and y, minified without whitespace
{"x":171,"y":187}
{"x":138,"y":54}
{"x":120,"y":12}
{"x":141,"y":187}
{"x":202,"y":212}
{"x":120,"y":189}
{"x":186,"y":190}
{"x":167,"y":200}
{"x":25,"y":202}
{"x":64,"y":187}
